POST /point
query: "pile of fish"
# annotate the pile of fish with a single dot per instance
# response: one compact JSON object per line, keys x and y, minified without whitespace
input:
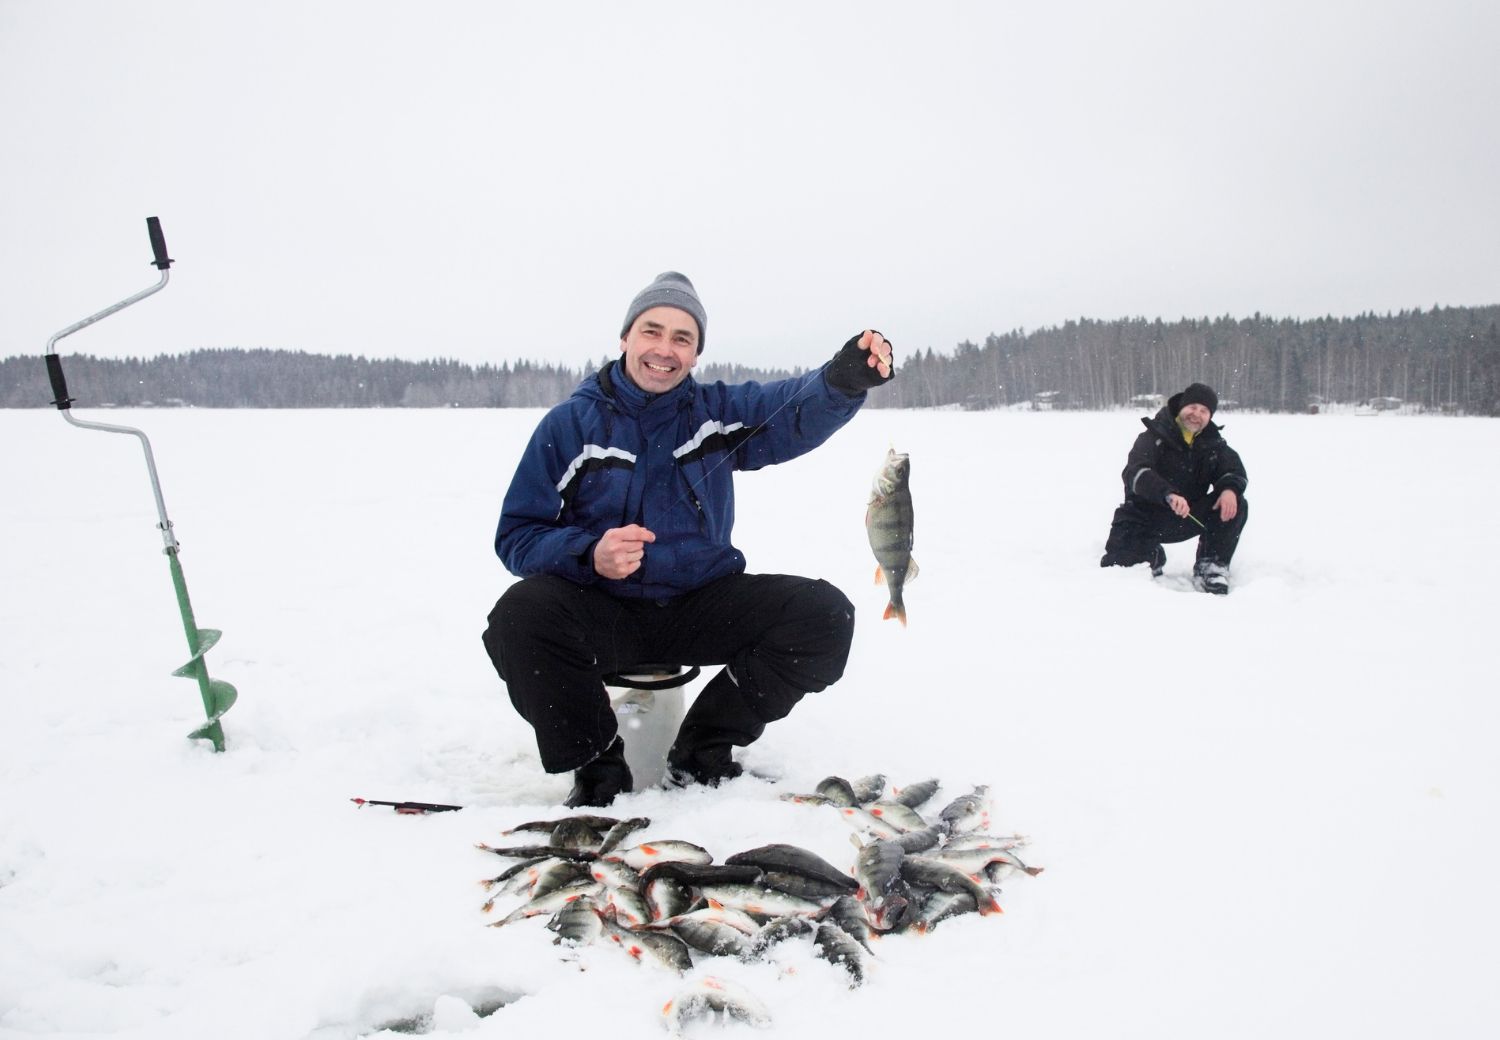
{"x":668,"y":902}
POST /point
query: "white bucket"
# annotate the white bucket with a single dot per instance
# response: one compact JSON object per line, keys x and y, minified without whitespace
{"x":648,"y":721}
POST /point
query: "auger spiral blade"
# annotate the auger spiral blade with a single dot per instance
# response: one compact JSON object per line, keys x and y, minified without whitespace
{"x":218,"y":695}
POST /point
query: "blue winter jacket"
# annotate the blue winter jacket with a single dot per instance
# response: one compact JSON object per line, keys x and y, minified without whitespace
{"x":613,"y":455}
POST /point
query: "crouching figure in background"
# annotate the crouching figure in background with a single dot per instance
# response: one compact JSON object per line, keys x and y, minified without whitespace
{"x":1182,"y":481}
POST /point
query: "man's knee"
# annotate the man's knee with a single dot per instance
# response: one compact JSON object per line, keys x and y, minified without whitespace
{"x":528,"y":606}
{"x":830,"y":615}
{"x":810,"y":649}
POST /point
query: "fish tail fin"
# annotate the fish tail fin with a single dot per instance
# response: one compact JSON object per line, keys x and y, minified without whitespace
{"x":895,"y":610}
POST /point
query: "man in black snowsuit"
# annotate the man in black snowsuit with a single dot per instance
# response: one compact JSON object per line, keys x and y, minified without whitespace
{"x":1182,"y":480}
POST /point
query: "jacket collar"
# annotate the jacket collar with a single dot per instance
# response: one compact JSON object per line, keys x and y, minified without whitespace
{"x":630,"y":399}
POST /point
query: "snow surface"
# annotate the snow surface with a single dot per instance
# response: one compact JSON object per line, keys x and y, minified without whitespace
{"x":1270,"y":814}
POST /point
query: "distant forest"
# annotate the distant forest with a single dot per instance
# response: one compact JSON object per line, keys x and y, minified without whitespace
{"x":1443,"y":360}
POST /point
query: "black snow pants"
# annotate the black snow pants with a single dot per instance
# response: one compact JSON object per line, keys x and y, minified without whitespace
{"x":778,"y":635}
{"x":1137,"y":530}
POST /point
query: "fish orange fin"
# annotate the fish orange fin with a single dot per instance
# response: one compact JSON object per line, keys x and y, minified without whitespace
{"x":879,"y":575}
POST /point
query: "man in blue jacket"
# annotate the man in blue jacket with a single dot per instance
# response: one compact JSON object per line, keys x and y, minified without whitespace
{"x":618,"y":523}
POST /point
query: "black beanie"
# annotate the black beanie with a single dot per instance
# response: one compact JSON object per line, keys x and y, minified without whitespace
{"x":1199,"y":393}
{"x":670,"y":289}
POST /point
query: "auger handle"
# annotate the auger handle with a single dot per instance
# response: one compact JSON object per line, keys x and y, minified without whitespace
{"x":158,"y":244}
{"x":59,"y":383}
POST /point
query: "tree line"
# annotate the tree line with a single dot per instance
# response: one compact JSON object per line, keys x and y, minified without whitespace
{"x":1443,"y":360}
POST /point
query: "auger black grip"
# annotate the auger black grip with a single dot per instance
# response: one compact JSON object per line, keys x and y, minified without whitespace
{"x":158,"y":244}
{"x":59,"y":383}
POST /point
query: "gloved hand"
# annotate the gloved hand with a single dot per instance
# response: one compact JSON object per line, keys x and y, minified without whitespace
{"x":861,"y":364}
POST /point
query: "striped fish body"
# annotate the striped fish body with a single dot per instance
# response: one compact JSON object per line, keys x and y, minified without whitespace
{"x":902,"y":817}
{"x":916,"y":795}
{"x":714,"y":938}
{"x":889,"y":524}
{"x":968,"y":812}
{"x":757,"y":899}
{"x":932,"y":873}
{"x":666,"y":897}
{"x":712,"y":996}
{"x":876,"y":868}
{"x":649,"y":854}
{"x":549,"y":903}
{"x":794,"y":860}
{"x":849,"y":914}
{"x":668,"y":951}
{"x":835,"y":946}
{"x":940,"y":905}
{"x":578,"y":922}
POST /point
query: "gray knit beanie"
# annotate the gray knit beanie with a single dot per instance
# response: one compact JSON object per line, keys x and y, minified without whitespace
{"x":670,"y":289}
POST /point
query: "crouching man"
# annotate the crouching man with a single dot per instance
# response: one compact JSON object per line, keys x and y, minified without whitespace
{"x":1182,"y":481}
{"x":619,"y":522}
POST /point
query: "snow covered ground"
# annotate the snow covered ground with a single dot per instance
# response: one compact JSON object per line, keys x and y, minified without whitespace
{"x":1270,"y":814}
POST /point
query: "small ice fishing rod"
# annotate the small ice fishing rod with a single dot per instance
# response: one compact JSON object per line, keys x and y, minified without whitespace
{"x":408,"y":808}
{"x":217,"y":695}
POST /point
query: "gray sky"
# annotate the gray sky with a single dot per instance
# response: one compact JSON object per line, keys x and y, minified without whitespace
{"x":493,"y":181}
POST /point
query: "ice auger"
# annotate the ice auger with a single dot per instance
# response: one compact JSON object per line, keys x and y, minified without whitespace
{"x":218,"y":695}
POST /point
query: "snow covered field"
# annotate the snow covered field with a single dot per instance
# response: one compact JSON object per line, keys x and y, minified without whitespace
{"x":1271,"y":814}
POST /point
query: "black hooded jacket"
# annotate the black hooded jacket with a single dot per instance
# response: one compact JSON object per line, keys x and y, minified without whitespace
{"x":1162,"y":463}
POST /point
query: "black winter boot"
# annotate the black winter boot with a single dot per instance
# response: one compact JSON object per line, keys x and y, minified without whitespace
{"x":1158,"y":560}
{"x":709,"y":765}
{"x":719,"y":720}
{"x":598,"y":782}
{"x":1212,"y":577}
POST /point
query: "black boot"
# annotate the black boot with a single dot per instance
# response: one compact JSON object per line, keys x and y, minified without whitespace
{"x":598,"y":782}
{"x":1158,"y":560}
{"x":709,"y":764}
{"x":1211,"y":577}
{"x":718,"y":721}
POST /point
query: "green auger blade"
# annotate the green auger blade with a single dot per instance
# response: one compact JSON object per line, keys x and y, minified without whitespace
{"x":218,"y":695}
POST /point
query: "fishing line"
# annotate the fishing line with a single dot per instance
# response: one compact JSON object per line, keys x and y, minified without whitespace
{"x":762,"y":425}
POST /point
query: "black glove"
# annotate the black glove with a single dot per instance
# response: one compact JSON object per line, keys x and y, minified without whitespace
{"x":850,"y":370}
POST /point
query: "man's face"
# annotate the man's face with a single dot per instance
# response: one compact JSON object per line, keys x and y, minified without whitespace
{"x":661,"y":348}
{"x":1194,"y":417}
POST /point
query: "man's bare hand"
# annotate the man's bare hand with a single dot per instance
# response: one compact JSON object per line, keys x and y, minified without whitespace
{"x":619,"y":553}
{"x":1178,"y":505}
{"x":1228,"y":505}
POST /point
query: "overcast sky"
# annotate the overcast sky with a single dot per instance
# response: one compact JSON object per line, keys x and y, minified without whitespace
{"x":494,"y":181}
